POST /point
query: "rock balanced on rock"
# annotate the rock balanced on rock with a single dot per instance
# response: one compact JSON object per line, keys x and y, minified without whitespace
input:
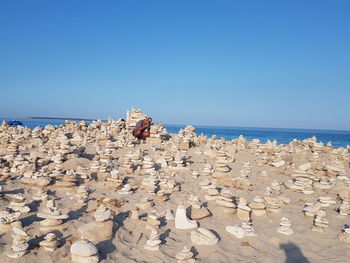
{"x":84,"y":251}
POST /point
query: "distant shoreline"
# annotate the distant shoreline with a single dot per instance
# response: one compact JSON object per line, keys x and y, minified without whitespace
{"x":57,"y":118}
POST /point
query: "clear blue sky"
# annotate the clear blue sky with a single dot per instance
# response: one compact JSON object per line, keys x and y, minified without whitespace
{"x":236,"y":63}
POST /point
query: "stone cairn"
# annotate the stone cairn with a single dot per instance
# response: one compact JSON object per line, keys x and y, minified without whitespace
{"x":345,"y":234}
{"x":320,"y":222}
{"x":258,"y":207}
{"x":285,"y":227}
{"x":102,"y":228}
{"x":185,"y":256}
{"x":19,"y":243}
{"x":76,"y":161}
{"x":7,"y":218}
{"x":344,"y":208}
{"x":197,"y":210}
{"x":52,"y":217}
{"x":18,"y":203}
{"x":84,"y":251}
{"x":221,"y":167}
{"x":49,"y":243}
{"x":153,"y":243}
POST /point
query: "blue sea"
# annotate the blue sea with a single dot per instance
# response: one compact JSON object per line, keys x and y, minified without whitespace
{"x":281,"y":135}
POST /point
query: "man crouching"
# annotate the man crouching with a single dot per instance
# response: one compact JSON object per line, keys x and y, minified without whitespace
{"x":142,"y":129}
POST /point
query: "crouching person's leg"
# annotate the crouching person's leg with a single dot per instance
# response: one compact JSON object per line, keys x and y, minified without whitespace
{"x":145,"y":134}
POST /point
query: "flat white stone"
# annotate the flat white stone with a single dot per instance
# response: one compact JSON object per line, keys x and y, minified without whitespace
{"x":203,"y":236}
{"x":83,"y":248}
{"x":47,"y":216}
{"x":236,"y":231}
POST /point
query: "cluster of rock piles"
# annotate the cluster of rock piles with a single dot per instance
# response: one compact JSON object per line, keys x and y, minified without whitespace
{"x":82,"y":192}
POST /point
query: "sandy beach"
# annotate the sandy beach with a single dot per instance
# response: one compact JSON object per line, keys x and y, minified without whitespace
{"x":93,"y":193}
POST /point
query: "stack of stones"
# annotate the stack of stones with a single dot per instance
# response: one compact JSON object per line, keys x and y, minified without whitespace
{"x":150,"y":184}
{"x":83,"y":196}
{"x":95,"y":166}
{"x":12,"y":149}
{"x":133,"y":116}
{"x":40,"y":195}
{"x":204,"y":183}
{"x":320,"y":222}
{"x":84,"y":251}
{"x":101,"y":229}
{"x":82,"y":172}
{"x":7,"y":217}
{"x":311,"y":209}
{"x":185,"y":256}
{"x":103,"y":172}
{"x":344,"y":208}
{"x":168,"y":185}
{"x":302,"y":182}
{"x":275,"y":186}
{"x":179,"y":161}
{"x":225,"y":202}
{"x":258,"y":206}
{"x":125,"y":190}
{"x":285,"y":227}
{"x":248,"y":229}
{"x":115,"y":179}
{"x":326,"y":201}
{"x":273,"y":204}
{"x":128,"y":166}
{"x":197,"y":210}
{"x":152,"y":220}
{"x":57,"y":171}
{"x":243,"y":210}
{"x":52,"y":217}
{"x":148,"y":165}
{"x":19,"y":243}
{"x":68,"y":181}
{"x":208,"y":169}
{"x":221,"y":167}
{"x":324,"y":183}
{"x":153,"y":243}
{"x":168,"y":158}
{"x":345,"y":234}
{"x":18,"y":203}
{"x":49,"y":243}
{"x":212,"y":193}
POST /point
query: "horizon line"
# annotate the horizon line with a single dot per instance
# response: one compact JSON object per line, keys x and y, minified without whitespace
{"x":198,"y":125}
{"x":255,"y":127}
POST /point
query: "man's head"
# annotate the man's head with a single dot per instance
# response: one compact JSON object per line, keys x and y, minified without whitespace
{"x":148,"y":120}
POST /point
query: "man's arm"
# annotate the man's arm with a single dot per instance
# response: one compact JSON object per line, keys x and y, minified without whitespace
{"x":142,"y":126}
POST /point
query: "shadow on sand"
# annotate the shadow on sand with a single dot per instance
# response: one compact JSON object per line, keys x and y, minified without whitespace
{"x":293,"y":253}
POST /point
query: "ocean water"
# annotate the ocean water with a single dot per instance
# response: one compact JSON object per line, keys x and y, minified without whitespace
{"x":281,"y":135}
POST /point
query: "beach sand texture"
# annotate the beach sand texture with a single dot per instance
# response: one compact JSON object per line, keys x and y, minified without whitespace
{"x":107,"y":197}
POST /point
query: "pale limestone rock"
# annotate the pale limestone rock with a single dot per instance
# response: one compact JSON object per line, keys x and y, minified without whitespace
{"x":203,"y":237}
{"x":84,"y":251}
{"x":182,"y":221}
{"x":279,"y":163}
{"x":236,"y":231}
